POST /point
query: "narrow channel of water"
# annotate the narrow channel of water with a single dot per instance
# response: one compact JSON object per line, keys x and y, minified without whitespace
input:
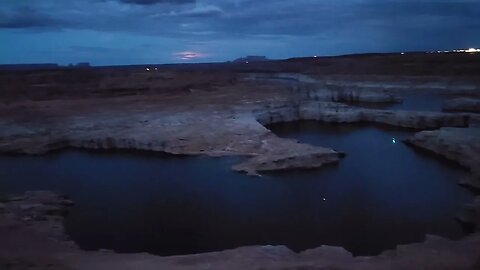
{"x":382,"y":194}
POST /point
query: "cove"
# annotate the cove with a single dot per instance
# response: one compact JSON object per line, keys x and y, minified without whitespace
{"x":382,"y":194}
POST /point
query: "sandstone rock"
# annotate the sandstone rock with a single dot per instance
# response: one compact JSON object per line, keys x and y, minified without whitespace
{"x":31,"y":206}
{"x":462,"y":105}
{"x":471,"y":181}
{"x":461,"y":145}
{"x":283,"y":154}
{"x":470,"y":214}
{"x":339,"y":113}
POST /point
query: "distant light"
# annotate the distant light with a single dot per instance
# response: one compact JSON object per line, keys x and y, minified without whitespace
{"x":471,"y":50}
{"x":402,"y":53}
{"x":324,"y":199}
{"x":315,"y":56}
{"x":189,"y":55}
{"x":147,"y":69}
{"x":394,"y":141}
{"x":246,"y":62}
{"x":156,"y":68}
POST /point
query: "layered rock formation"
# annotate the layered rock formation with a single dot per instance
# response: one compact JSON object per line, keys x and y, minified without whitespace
{"x":339,"y":113}
{"x":218,"y":119}
{"x":461,"y":145}
{"x":209,"y":132}
{"x":462,"y":105}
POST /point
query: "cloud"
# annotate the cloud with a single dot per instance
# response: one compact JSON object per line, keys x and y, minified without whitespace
{"x":26,"y":17}
{"x":196,"y":11}
{"x":233,"y":28}
{"x":89,"y":49}
{"x":152,"y":2}
{"x":189,"y":55}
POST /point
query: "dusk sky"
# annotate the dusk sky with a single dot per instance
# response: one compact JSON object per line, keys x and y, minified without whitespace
{"x":105,"y":32}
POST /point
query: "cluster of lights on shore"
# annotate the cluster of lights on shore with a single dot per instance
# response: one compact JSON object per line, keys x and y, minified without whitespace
{"x":470,"y":50}
{"x":193,"y":55}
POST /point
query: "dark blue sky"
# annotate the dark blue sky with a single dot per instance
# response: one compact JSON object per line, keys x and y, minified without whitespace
{"x":161,"y":31}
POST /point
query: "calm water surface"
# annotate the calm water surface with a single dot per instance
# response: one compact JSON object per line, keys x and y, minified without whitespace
{"x":381,"y":194}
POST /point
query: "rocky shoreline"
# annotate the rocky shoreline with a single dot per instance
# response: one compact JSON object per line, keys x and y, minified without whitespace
{"x":228,"y":120}
{"x":31,"y":229}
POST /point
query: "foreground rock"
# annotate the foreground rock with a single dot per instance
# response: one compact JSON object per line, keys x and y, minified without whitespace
{"x":32,"y":235}
{"x":31,"y":231}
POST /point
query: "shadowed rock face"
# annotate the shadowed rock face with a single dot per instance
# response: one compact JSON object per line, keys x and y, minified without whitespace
{"x":216,"y":114}
{"x":461,"y":145}
{"x":462,"y":105}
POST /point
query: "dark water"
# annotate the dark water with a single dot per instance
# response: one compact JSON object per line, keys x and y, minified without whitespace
{"x":382,"y":194}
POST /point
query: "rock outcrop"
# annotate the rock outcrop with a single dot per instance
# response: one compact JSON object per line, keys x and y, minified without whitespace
{"x":211,"y":132}
{"x":461,"y":145}
{"x":470,"y":214}
{"x":282,"y":154}
{"x":339,"y":113}
{"x":462,"y":105}
{"x":225,"y":121}
{"x":31,"y":224}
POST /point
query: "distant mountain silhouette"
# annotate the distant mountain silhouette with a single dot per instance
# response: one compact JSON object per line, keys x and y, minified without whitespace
{"x":28,"y":66}
{"x":251,"y":58}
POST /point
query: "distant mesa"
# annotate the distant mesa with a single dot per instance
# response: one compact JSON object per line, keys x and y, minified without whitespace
{"x":251,"y":58}
{"x":42,"y":66}
{"x":80,"y":65}
{"x":83,"y":65}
